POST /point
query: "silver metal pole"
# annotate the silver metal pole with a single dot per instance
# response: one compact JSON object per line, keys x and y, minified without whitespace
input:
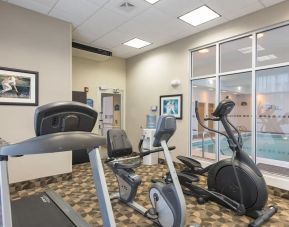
{"x":101,"y":188}
{"x":176,"y":182}
{"x":5,"y":196}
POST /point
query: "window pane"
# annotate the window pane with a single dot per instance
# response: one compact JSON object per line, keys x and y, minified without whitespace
{"x":204,"y":61}
{"x":273,"y":46}
{"x":238,"y":88}
{"x":236,"y":54}
{"x":203,"y":142}
{"x":272,"y":109}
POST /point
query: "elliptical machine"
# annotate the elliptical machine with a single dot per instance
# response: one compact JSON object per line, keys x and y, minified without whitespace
{"x":235,"y":182}
{"x":167,"y":199}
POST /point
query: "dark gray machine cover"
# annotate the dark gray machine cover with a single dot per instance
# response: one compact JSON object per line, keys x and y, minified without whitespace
{"x":64,"y":117}
{"x":166,"y":127}
{"x":118,"y":144}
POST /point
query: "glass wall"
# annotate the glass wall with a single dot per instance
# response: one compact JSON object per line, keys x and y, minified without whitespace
{"x":203,"y":142}
{"x":238,"y":87}
{"x":272,"y":114}
{"x":253,"y":71}
{"x":273,"y":46}
{"x":204,"y":61}
{"x":236,"y":54}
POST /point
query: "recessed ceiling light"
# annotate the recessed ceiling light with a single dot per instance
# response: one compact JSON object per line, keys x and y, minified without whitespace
{"x":137,"y":43}
{"x":195,"y":86}
{"x":152,"y":1}
{"x":202,"y":51}
{"x":248,"y":50}
{"x":267,"y":57}
{"x":199,"y":16}
{"x":259,"y":35}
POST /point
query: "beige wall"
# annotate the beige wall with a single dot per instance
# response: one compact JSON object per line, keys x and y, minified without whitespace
{"x":149,"y":74}
{"x":31,"y":41}
{"x":92,"y":74}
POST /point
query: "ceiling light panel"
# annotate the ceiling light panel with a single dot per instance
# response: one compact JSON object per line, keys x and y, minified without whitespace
{"x":199,"y":16}
{"x":137,"y":43}
{"x":266,"y":57}
{"x":152,"y":1}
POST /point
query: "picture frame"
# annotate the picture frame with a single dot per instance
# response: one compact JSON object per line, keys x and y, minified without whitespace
{"x":172,"y":104}
{"x":18,"y":87}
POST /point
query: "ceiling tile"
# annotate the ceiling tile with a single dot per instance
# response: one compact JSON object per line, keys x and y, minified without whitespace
{"x":74,"y":11}
{"x":129,"y":12}
{"x":99,"y":2}
{"x":234,"y":9}
{"x":179,"y":7}
{"x":84,"y":36}
{"x":152,"y":17}
{"x":112,"y":39}
{"x":41,"y":6}
{"x":131,"y":28}
{"x":102,"y":22}
{"x":124,"y":51}
{"x":270,"y":2}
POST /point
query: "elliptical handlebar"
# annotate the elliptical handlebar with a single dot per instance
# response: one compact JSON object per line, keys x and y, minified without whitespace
{"x":240,"y":140}
{"x":212,"y":119}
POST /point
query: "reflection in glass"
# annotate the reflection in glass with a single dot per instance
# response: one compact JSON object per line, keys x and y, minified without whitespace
{"x":204,"y":61}
{"x":272,"y":110}
{"x":236,"y":54}
{"x":275,"y":46}
{"x":238,"y":87}
{"x":203,"y":142}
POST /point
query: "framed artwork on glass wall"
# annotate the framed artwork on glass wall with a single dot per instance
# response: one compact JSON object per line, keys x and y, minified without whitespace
{"x":172,"y":105}
{"x":18,"y":87}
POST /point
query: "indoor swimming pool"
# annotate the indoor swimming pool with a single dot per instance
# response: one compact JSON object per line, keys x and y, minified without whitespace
{"x":268,"y":146}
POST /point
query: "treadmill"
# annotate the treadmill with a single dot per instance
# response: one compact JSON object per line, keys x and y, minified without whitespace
{"x":60,"y":126}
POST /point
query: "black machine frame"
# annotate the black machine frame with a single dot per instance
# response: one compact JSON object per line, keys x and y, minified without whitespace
{"x":226,"y":178}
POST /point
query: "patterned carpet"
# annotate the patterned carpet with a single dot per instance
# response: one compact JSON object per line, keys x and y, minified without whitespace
{"x":80,"y":194}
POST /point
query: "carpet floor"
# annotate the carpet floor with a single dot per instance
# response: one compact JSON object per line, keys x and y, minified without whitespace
{"x":80,"y":194}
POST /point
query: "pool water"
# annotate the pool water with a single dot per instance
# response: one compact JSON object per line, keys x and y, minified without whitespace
{"x":269,"y":146}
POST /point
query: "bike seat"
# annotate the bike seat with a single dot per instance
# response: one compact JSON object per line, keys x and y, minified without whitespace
{"x":127,"y":165}
{"x":189,"y":162}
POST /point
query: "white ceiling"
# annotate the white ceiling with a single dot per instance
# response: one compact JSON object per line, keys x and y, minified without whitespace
{"x":102,"y":24}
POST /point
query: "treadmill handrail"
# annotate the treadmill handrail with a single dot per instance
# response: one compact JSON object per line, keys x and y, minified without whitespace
{"x":52,"y":143}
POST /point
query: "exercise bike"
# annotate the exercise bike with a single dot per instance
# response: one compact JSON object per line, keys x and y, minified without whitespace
{"x":167,"y":199}
{"x":235,"y":182}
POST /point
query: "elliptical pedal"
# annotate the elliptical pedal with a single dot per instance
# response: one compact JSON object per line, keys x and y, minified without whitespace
{"x":151,"y":213}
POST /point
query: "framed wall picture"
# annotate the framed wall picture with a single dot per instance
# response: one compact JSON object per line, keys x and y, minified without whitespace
{"x":171,"y":104}
{"x":18,"y":87}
